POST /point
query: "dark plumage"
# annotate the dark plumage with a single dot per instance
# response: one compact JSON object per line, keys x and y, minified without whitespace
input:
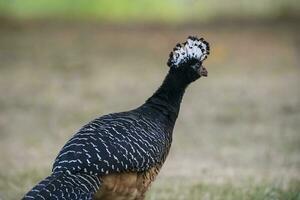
{"x":119,"y":155}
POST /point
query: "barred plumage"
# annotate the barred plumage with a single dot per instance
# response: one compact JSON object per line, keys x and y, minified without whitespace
{"x":118,"y":142}
{"x":65,"y":186}
{"x":119,"y":155}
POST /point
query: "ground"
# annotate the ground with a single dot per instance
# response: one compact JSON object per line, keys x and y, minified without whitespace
{"x":237,"y":135}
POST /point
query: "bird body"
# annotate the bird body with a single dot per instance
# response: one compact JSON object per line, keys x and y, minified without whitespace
{"x":133,"y":140}
{"x":117,"y":156}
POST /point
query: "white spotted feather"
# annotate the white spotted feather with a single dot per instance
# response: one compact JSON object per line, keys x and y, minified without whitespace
{"x":192,"y":49}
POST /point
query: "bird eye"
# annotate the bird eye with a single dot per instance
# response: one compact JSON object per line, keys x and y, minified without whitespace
{"x":196,"y":66}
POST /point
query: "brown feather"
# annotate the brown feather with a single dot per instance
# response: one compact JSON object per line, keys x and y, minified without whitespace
{"x":126,"y":186}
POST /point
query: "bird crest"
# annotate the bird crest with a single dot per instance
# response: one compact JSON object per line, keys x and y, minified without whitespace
{"x":193,"y":49}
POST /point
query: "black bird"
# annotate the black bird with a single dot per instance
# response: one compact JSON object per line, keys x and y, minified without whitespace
{"x":117,"y":156}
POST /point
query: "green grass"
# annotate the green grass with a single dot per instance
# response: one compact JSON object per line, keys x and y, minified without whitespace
{"x":225,"y":191}
{"x":237,"y":135}
{"x":148,"y":11}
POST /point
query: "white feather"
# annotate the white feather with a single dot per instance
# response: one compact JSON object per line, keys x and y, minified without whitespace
{"x":190,"y":50}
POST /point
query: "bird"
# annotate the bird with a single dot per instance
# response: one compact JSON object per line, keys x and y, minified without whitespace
{"x":117,"y":156}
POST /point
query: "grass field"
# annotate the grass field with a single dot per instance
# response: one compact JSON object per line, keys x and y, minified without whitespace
{"x":238,"y":133}
{"x":168,"y":11}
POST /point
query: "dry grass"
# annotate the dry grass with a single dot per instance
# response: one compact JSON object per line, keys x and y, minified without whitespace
{"x":237,"y":135}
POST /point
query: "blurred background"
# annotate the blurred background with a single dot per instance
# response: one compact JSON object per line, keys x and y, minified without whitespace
{"x":65,"y":62}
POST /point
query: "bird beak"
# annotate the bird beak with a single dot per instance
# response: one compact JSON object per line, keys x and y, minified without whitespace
{"x":202,"y":71}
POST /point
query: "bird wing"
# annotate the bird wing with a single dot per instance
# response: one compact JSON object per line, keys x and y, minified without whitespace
{"x":65,"y":186}
{"x":114,"y":143}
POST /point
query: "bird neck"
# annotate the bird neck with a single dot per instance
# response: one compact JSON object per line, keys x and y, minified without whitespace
{"x":168,"y":97}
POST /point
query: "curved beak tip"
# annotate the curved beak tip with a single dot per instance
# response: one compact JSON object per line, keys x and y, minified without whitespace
{"x":203,"y":71}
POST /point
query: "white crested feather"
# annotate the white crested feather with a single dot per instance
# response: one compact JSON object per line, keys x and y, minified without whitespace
{"x":193,"y":48}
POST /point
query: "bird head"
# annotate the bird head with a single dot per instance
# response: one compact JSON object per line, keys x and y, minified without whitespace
{"x":186,"y":58}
